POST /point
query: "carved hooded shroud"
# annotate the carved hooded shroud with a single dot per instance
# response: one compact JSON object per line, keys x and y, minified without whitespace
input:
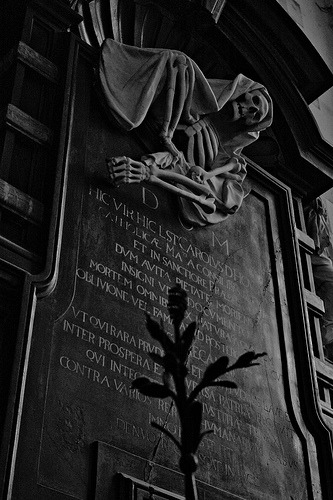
{"x":168,"y":87}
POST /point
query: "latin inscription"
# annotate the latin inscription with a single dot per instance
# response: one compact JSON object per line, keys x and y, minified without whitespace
{"x":144,"y":259}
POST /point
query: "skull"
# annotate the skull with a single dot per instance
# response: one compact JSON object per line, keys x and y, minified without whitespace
{"x":251,"y":107}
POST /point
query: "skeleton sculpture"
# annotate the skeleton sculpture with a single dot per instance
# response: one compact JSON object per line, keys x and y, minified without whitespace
{"x":203,"y":126}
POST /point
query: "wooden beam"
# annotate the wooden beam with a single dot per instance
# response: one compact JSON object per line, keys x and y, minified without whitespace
{"x":28,"y":126}
{"x":37,"y":62}
{"x":22,"y":204}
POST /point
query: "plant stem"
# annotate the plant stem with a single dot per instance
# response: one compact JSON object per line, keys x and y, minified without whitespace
{"x":190,"y":487}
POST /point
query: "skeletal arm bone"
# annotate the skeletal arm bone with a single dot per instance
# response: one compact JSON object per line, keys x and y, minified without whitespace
{"x":193,"y":187}
{"x":205,"y":200}
{"x":123,"y":170}
{"x":200,"y":175}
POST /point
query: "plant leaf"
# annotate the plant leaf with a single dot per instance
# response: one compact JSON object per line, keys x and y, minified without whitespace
{"x":157,"y":358}
{"x":246,"y":360}
{"x":140,"y":382}
{"x":216,"y":369}
{"x":155,"y":390}
{"x":158,"y":333}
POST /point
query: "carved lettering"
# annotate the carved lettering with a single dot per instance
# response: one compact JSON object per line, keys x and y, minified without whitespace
{"x":143,"y":260}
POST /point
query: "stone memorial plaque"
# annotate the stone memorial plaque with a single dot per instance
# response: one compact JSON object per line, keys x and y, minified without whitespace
{"x":126,"y":248}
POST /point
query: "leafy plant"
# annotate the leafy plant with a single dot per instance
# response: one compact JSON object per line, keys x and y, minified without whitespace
{"x":173,"y":383}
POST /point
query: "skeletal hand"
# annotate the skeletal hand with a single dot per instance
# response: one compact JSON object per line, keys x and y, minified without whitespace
{"x":124,"y":170}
